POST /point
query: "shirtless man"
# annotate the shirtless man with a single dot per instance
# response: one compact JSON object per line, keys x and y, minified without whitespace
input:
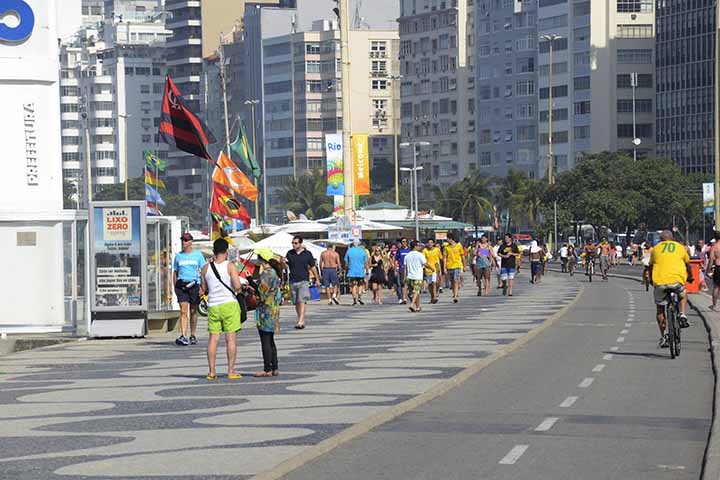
{"x":713,"y":268}
{"x":330,"y":270}
{"x":604,"y":248}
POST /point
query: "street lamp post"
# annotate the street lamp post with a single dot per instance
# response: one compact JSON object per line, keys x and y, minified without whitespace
{"x":252,"y":104}
{"x":716,"y":136}
{"x":551,"y":177}
{"x":396,"y":132}
{"x":636,"y":140}
{"x":414,"y":169}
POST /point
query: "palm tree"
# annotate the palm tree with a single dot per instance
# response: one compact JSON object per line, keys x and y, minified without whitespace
{"x":475,"y":198}
{"x":306,"y":194}
{"x":512,"y":194}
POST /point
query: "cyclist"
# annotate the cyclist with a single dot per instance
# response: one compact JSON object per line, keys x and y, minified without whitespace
{"x":647,"y":252}
{"x":604,"y":247}
{"x":590,"y":249}
{"x":572,"y":259}
{"x":670,"y":269}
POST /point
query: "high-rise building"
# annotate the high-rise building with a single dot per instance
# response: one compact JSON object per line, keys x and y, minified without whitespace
{"x":438,"y":89}
{"x":506,"y":80}
{"x":602,"y":55}
{"x":685,"y":64}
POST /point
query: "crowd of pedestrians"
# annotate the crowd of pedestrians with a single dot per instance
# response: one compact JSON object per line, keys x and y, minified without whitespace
{"x":405,"y":269}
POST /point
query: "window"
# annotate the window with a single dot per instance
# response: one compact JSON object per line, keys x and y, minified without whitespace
{"x":580,"y":9}
{"x":525,"y":87}
{"x":104,"y":171}
{"x":581,"y":83}
{"x":310,"y":48}
{"x":146,"y":138}
{"x":68,"y":107}
{"x":582,"y":132}
{"x":644,"y":80}
{"x":379,"y":104}
{"x":643,"y":105}
{"x":549,"y":23}
{"x":525,"y":65}
{"x":558,"y":68}
{"x":582,"y":59}
{"x":559,"y":91}
{"x":582,"y":34}
{"x":635,"y":6}
{"x":559,"y":114}
{"x":526,"y":133}
{"x":634,"y":55}
{"x":558,"y":137}
{"x":485,"y":136}
{"x":485,"y":159}
{"x":68,"y":91}
{"x":379,"y":85}
{"x":547,"y":3}
{"x":582,"y":108}
{"x":634,"y":31}
{"x":643,"y":130}
{"x":558,"y":44}
{"x":525,"y":111}
{"x":142,"y":71}
{"x":378,"y":49}
{"x":379,"y":67}
{"x":71,"y":157}
{"x":525,"y":43}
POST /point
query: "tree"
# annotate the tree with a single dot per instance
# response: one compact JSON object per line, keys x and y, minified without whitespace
{"x":306,"y":194}
{"x":469,"y":200}
{"x":70,"y":192}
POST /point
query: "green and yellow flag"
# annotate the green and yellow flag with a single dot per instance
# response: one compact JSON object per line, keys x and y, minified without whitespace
{"x":241,"y":147}
{"x":153,"y":162}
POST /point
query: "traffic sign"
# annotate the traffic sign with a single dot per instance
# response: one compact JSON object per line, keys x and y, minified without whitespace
{"x":356,"y":232}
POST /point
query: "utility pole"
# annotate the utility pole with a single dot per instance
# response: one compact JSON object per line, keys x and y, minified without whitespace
{"x":413,"y":180}
{"x":396,"y":132}
{"x":85,"y":115}
{"x":716,"y":136}
{"x":636,"y":140}
{"x":344,"y":17}
{"x":551,"y":175}
{"x":224,"y":90}
{"x":252,"y":104}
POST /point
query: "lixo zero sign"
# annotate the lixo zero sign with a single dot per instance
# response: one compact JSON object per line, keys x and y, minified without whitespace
{"x":17,"y":21}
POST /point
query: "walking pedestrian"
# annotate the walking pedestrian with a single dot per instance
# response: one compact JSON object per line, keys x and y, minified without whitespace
{"x":433,"y":256}
{"x":356,"y":261}
{"x":509,"y":254}
{"x":536,"y":254}
{"x":187,"y":266}
{"x":415,"y":262}
{"x":564,"y":258}
{"x":498,"y":261}
{"x":389,"y":254}
{"x":400,"y":255}
{"x":713,"y":269}
{"x":378,"y":274}
{"x":484,"y":258}
{"x":454,"y":255}
{"x":221,"y":280}
{"x":267,"y":313}
{"x":330,"y":268}
{"x":300,"y":263}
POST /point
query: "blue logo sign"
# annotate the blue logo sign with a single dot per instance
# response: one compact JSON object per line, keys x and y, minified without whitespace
{"x":21,"y":10}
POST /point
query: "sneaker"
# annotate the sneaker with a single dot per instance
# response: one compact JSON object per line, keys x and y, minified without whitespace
{"x":330,"y":302}
{"x":440,"y":290}
{"x":360,"y":301}
{"x":663,"y":341}
{"x":400,"y":301}
{"x":455,"y":300}
{"x":334,"y":299}
{"x":181,"y":340}
{"x":684,"y":321}
{"x":354,"y":302}
{"x":193,"y":340}
{"x":434,"y":301}
{"x":479,"y":294}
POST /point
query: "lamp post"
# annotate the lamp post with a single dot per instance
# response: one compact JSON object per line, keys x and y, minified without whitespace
{"x":551,"y":176}
{"x":252,"y":104}
{"x":414,"y":170}
{"x":122,"y":133}
{"x":396,"y":132}
{"x":716,"y":136}
{"x":636,"y":140}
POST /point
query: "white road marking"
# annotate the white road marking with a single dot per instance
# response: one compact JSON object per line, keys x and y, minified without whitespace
{"x":546,"y":424}
{"x":628,"y":325}
{"x":614,"y":349}
{"x":514,"y":454}
{"x":599,"y":367}
{"x":568,"y":402}
{"x":624,"y":331}
{"x":620,"y":339}
{"x":586,"y":382}
{"x":608,"y":356}
{"x":671,"y":467}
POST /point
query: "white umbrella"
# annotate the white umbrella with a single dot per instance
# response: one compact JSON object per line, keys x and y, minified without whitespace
{"x":280,"y":243}
{"x":264,"y":229}
{"x":304,"y":226}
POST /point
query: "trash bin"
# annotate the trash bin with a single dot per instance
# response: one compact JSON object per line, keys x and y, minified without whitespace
{"x":695,"y":267}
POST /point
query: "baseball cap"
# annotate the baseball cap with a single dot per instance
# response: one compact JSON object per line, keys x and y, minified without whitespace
{"x":186,"y":237}
{"x":264,"y":253}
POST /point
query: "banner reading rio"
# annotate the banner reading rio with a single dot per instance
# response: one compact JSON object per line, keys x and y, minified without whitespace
{"x":23,"y":21}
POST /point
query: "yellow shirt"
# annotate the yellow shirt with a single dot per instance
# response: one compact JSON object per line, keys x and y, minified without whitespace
{"x":455,"y":254}
{"x":433,"y":258}
{"x":669,"y":260}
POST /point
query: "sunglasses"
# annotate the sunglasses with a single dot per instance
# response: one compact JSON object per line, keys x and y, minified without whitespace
{"x":296,"y":243}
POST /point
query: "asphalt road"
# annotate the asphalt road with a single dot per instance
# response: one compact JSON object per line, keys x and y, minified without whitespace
{"x":592,"y":397}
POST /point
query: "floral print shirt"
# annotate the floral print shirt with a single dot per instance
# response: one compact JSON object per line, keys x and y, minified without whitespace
{"x":269,"y":297}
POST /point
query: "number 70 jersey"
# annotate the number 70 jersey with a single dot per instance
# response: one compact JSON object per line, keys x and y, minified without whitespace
{"x":669,"y":260}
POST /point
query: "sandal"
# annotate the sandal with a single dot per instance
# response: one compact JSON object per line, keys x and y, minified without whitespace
{"x":262,"y":374}
{"x":211,"y":378}
{"x":412,"y":309}
{"x":299,"y":327}
{"x":234,"y":376}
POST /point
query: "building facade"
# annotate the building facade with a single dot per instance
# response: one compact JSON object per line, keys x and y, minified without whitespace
{"x":438,"y":89}
{"x":685,"y":89}
{"x":506,"y":80}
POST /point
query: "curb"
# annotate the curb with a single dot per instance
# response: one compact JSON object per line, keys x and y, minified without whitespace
{"x":710,"y":469}
{"x":395,"y":411}
{"x":11,"y":346}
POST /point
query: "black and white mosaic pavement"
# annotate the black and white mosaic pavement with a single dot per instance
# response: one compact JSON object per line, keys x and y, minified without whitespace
{"x":143,"y":408}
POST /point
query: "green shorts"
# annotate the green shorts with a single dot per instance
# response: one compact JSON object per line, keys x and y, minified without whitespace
{"x":414,"y":286}
{"x":224,"y":318}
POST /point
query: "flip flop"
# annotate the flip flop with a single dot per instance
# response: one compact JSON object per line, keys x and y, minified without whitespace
{"x":211,"y":378}
{"x":262,"y":374}
{"x":299,"y":327}
{"x":412,"y":309}
{"x":234,"y":376}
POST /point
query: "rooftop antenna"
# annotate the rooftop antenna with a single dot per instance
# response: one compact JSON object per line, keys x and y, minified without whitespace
{"x":358,"y":21}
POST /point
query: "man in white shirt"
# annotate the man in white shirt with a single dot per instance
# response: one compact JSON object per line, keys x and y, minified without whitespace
{"x":414,"y":263}
{"x":564,"y":257}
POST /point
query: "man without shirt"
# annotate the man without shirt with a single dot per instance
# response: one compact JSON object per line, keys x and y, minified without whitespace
{"x":330,"y":269}
{"x":713,"y":270}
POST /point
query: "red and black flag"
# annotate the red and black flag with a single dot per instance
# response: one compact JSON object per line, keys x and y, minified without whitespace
{"x":180,"y":127}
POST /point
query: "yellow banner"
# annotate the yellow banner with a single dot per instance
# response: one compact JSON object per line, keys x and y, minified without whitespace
{"x":361,"y":164}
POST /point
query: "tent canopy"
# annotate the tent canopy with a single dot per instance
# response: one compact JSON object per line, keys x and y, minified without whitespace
{"x":280,"y":243}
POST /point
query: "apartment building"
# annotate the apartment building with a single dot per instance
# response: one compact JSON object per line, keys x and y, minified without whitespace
{"x":602,"y":54}
{"x":506,"y":80}
{"x":438,"y":89}
{"x":685,"y":89}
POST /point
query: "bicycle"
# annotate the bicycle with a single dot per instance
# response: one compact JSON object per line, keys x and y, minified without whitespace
{"x":672,"y":323}
{"x":646,"y":279}
{"x":590,"y":269}
{"x":571,"y":266}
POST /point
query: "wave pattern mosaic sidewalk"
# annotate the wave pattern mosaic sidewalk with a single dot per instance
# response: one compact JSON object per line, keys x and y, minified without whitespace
{"x":143,"y":409}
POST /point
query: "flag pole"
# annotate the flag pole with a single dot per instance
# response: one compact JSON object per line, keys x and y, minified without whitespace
{"x":257,"y":200}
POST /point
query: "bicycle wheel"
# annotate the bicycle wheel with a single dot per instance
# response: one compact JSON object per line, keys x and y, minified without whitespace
{"x":670,"y":323}
{"x":591,"y":270}
{"x":677,"y":329}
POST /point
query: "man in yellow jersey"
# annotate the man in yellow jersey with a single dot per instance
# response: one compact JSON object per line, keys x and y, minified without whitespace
{"x":432,"y":256}
{"x":669,"y":268}
{"x":454,"y":255}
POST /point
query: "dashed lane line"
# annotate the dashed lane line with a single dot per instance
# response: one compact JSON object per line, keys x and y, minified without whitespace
{"x":568,"y":402}
{"x":514,"y":454}
{"x":608,"y":356}
{"x":546,"y":424}
{"x":614,"y":349}
{"x":620,"y":339}
{"x":598,"y":368}
{"x":586,"y":382}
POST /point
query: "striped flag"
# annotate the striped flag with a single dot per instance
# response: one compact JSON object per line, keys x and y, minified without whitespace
{"x":225,"y":204}
{"x":151,"y":179}
{"x":180,"y":127}
{"x":153,"y":196}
